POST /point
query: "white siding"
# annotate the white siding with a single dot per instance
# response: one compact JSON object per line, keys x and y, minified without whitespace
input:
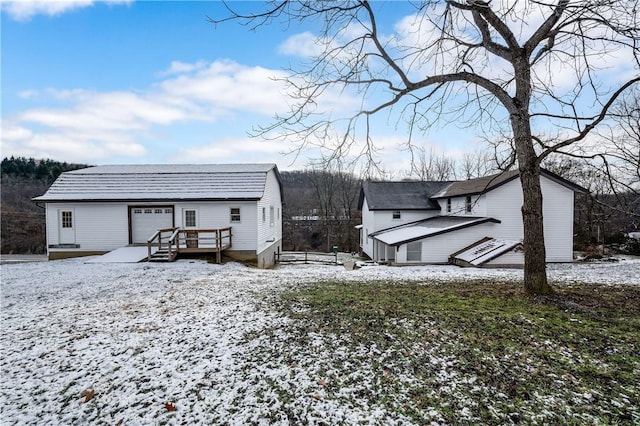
{"x":558,"y":221}
{"x":98,"y":226}
{"x":504,"y":203}
{"x":459,"y":206}
{"x":377,"y":220}
{"x":367,"y":228}
{"x":217,"y":214}
{"x":267,"y":233}
{"x":438,"y":248}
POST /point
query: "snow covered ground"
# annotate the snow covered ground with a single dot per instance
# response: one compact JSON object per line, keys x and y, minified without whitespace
{"x":186,"y":334}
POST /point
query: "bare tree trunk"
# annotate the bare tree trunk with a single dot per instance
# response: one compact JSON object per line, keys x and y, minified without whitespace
{"x":535,"y":275}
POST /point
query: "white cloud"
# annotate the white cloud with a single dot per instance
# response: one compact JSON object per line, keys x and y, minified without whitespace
{"x":304,"y":44}
{"x":24,"y":10}
{"x":66,"y":146}
{"x":95,"y":125}
{"x":231,"y":149}
{"x":178,"y":67}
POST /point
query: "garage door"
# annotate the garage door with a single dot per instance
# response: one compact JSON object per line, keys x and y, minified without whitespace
{"x":145,"y":221}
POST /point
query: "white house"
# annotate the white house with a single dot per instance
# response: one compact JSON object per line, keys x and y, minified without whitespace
{"x":479,"y":221}
{"x":98,"y":209}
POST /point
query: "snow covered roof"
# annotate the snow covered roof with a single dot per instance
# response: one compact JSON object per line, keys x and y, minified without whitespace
{"x":485,"y":250}
{"x":405,"y":195}
{"x":150,"y":182}
{"x":427,"y":228}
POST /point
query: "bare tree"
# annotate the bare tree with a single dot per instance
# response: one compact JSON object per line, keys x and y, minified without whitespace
{"x":477,"y":164}
{"x":429,"y":166}
{"x":337,"y":192}
{"x":516,"y":67}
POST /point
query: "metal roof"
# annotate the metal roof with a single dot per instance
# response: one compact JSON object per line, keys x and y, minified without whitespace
{"x":426,"y":228}
{"x":487,"y":183}
{"x":149,"y":182}
{"x":486,"y":250}
{"x":406,"y":195}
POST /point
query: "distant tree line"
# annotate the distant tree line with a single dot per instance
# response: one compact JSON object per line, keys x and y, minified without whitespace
{"x":22,"y":222}
{"x":321,"y":203}
{"x":321,"y":210}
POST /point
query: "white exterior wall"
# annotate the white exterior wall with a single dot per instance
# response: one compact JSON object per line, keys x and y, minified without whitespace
{"x":377,"y":220}
{"x":459,"y":206}
{"x":438,"y":248}
{"x":268,"y":233}
{"x":97,"y":226}
{"x":504,"y":203}
{"x":217,"y":214}
{"x":558,"y":214}
{"x":368,"y":223}
{"x":105,"y":226}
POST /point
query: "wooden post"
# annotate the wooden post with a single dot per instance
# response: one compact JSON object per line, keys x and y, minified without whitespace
{"x":218,"y":246}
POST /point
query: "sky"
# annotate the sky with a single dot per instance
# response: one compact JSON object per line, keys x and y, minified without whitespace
{"x":133,"y":82}
{"x":137,"y":82}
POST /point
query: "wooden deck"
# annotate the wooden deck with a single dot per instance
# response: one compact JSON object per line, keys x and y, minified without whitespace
{"x":171,"y":242}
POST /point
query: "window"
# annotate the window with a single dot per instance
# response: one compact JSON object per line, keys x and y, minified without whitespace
{"x":158,"y":211}
{"x":278,"y":216}
{"x":264,"y":214}
{"x":148,"y":211}
{"x":168,"y":211}
{"x":271,"y":216}
{"x":448,"y":205}
{"x":396,"y":214}
{"x":190,"y":218}
{"x":391,"y":253}
{"x":414,"y":251}
{"x":67,"y":219}
{"x":467,"y":204}
{"x":137,"y":211}
{"x":235,"y":214}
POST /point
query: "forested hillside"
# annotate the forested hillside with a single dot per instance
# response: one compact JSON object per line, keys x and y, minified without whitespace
{"x":320,"y":208}
{"x":22,"y":221}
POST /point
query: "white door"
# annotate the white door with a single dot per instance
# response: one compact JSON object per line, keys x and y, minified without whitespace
{"x":66,"y":226}
{"x":145,"y":221}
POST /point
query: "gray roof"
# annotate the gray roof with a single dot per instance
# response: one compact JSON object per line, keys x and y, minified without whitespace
{"x":406,"y":195}
{"x":487,"y":183}
{"x":149,"y":182}
{"x":426,"y":228}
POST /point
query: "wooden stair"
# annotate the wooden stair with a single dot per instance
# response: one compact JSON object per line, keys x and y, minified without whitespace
{"x":162,"y":256}
{"x":168,"y":243}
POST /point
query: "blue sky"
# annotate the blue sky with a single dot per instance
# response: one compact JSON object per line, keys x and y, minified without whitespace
{"x":148,"y":82}
{"x":126,"y":82}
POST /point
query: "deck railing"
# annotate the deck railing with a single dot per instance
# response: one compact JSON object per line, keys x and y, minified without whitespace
{"x":178,"y":240}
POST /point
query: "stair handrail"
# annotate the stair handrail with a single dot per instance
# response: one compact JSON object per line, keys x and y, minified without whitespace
{"x":150,"y":242}
{"x":172,"y":241}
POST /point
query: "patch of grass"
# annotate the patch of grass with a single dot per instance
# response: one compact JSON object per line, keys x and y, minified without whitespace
{"x":483,"y":351}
